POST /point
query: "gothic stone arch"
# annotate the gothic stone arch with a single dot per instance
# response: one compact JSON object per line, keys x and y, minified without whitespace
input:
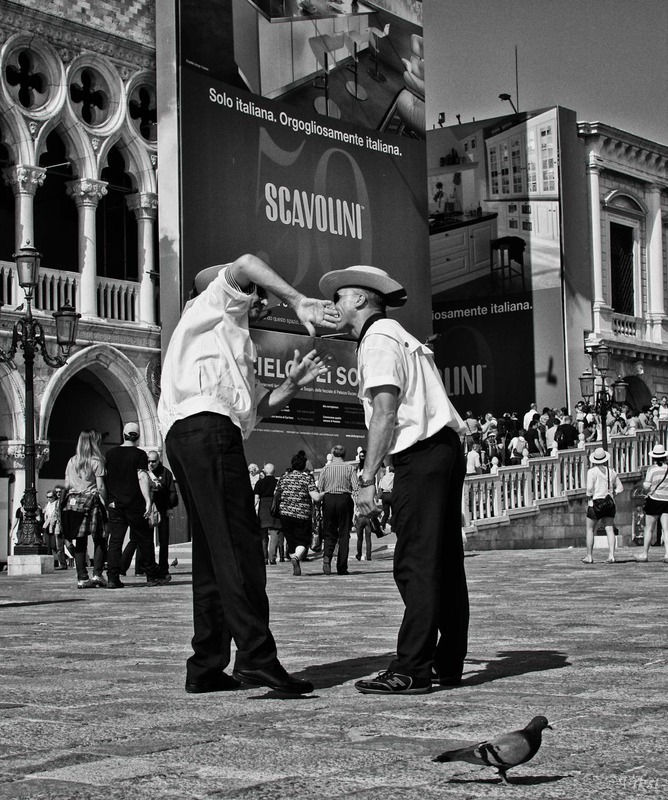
{"x":123,"y":379}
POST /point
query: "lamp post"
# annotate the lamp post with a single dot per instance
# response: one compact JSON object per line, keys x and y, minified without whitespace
{"x":28,"y":334}
{"x":603,"y":400}
{"x":507,"y":98}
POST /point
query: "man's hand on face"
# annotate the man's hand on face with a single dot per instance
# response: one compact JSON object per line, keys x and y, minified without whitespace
{"x":312,"y":312}
{"x":305,"y":370}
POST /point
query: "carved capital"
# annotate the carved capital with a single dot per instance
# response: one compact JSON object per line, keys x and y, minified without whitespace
{"x":86,"y":192}
{"x":144,"y":204}
{"x":23,"y":178}
{"x":13,"y":454}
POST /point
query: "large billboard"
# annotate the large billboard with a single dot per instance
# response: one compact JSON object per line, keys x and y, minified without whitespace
{"x":496,"y":199}
{"x":296,"y":138}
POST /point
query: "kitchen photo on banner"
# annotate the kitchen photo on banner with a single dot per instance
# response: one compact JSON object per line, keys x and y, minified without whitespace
{"x":495,"y":195}
{"x":302,"y":140}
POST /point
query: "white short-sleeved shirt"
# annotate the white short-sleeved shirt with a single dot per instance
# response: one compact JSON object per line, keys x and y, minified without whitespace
{"x":602,"y":482}
{"x":210,"y":361}
{"x":389,"y":356}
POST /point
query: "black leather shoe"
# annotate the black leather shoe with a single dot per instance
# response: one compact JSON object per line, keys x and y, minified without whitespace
{"x":115,"y":585}
{"x":223,"y":683}
{"x":275,"y":677}
{"x":159,"y":581}
{"x":446,"y":679}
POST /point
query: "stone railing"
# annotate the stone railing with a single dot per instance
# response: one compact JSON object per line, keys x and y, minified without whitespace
{"x":495,"y":499}
{"x":623,"y":325}
{"x":116,"y":300}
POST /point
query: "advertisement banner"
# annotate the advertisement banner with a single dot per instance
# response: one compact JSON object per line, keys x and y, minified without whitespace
{"x":326,"y":413}
{"x":306,"y":195}
{"x":494,"y":192}
{"x":301,"y":140}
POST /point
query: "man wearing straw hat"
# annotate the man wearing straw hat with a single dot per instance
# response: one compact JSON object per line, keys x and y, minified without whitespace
{"x":410,"y":418}
{"x":210,"y":401}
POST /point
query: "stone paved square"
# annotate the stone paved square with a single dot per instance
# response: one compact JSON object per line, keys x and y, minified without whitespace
{"x":93,"y":704}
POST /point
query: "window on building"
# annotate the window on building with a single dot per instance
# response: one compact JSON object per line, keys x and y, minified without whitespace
{"x":117,"y":255}
{"x":56,"y":216}
{"x":622,"y":268}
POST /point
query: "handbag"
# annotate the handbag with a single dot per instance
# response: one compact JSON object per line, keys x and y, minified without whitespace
{"x":605,"y":506}
{"x":276,"y":503}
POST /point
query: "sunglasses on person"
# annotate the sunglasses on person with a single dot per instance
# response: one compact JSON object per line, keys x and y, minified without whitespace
{"x":339,"y":295}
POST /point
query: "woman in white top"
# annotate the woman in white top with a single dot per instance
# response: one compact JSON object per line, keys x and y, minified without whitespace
{"x":601,"y":482}
{"x":656,"y":505}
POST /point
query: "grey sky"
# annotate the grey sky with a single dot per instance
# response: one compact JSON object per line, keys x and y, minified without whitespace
{"x":605,"y":59}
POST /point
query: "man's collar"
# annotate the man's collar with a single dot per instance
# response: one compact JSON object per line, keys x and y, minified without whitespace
{"x":369,"y":322}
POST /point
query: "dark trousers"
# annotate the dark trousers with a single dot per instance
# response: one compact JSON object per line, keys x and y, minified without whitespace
{"x":337,"y":519}
{"x":120,"y":519}
{"x":206,"y":453}
{"x":80,"y":547}
{"x":363,"y":528}
{"x":163,"y":552}
{"x":386,"y":500}
{"x":429,"y":556}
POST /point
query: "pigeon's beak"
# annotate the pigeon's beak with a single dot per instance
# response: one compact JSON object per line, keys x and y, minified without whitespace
{"x":549,"y":727}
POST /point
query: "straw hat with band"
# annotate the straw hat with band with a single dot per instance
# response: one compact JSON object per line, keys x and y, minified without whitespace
{"x":365,"y":277}
{"x":658,"y":451}
{"x":599,"y":456}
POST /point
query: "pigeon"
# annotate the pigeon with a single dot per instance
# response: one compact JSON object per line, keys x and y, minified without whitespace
{"x":504,"y":752}
{"x":175,"y":563}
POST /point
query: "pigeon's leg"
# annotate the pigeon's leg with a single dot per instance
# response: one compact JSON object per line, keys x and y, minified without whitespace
{"x":502,"y":773}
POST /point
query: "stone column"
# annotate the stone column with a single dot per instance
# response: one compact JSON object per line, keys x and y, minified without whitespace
{"x":87,"y":193}
{"x":24,"y":181}
{"x":145,"y":207}
{"x":601,"y":325}
{"x":655,"y":299}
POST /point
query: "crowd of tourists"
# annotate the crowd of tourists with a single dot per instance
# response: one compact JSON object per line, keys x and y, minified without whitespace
{"x":102,"y":497}
{"x":301,"y":511}
{"x":509,"y":439}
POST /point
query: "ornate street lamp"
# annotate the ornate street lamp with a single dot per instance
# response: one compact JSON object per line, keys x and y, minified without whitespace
{"x":28,"y":334}
{"x":603,"y":400}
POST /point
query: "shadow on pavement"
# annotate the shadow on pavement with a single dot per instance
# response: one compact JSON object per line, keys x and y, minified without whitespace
{"x":526,"y":780}
{"x":20,"y":603}
{"x":336,"y":673}
{"x":515,"y":662}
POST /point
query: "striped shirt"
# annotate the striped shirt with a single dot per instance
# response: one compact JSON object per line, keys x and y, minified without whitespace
{"x":338,"y":478}
{"x":656,"y":483}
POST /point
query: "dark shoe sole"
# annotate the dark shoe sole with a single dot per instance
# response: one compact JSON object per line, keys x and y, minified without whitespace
{"x":366,"y":689}
{"x":296,"y":568}
{"x":327,"y":568}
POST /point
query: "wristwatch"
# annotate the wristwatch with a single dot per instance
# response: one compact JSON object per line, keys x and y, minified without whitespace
{"x":363,"y":484}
